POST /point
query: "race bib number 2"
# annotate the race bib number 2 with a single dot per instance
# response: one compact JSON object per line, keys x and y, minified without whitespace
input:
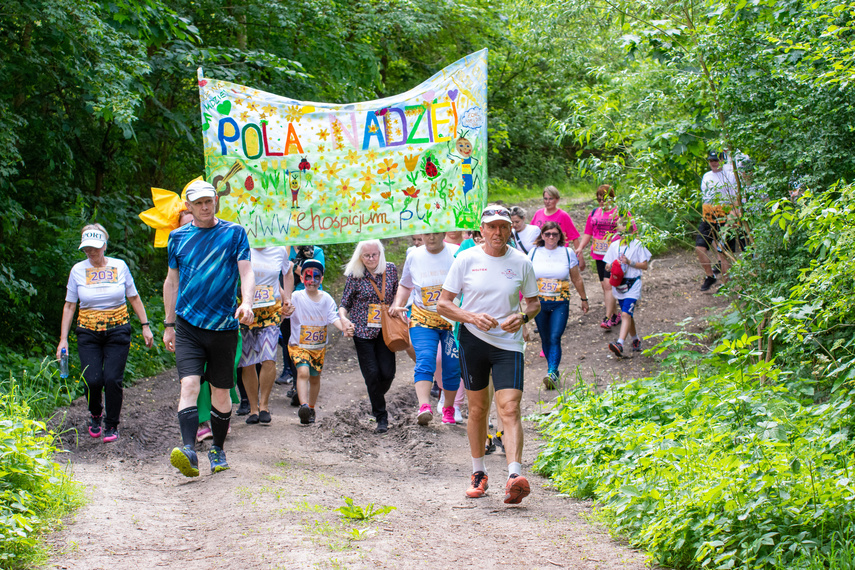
{"x":430,"y":296}
{"x":264,"y":296}
{"x":374,"y":316}
{"x":101,"y":275}
{"x":313,"y":337}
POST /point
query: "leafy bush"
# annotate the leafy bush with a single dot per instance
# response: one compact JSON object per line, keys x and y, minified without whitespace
{"x":711,"y":468}
{"x":35,"y":492}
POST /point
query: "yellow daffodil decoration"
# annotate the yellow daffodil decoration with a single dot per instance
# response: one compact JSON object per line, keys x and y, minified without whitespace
{"x":164,"y":216}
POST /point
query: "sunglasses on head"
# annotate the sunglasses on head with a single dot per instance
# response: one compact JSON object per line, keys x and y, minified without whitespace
{"x":550,"y":234}
{"x":311,"y":275}
{"x":495,"y":212}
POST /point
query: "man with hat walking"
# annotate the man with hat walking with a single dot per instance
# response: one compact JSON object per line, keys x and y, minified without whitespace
{"x":718,"y":191}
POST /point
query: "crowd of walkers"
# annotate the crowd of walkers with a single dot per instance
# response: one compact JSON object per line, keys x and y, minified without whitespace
{"x":467,"y":300}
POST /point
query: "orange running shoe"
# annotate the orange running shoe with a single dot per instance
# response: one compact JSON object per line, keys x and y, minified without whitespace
{"x":516,"y":489}
{"x":478,"y":487}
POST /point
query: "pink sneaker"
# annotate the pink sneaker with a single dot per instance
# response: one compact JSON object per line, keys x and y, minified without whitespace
{"x":448,"y":415}
{"x":616,"y":319}
{"x":203,"y":433}
{"x":425,"y":415}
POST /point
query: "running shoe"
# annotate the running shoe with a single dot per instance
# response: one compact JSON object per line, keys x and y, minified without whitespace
{"x":311,"y":415}
{"x":617,"y":348}
{"x":478,"y":485}
{"x":708,"y":282}
{"x":285,"y":378}
{"x":184,"y":459}
{"x":382,"y":426}
{"x":491,"y":445}
{"x":94,"y":425}
{"x":516,"y":489}
{"x":616,"y":319}
{"x":217,"y":457}
{"x":458,"y":415}
{"x":716,"y":269}
{"x":550,"y":381}
{"x":434,"y":390}
{"x":111,"y":434}
{"x":264,"y":416}
{"x":243,"y":408}
{"x":203,"y":433}
{"x":425,"y":415}
{"x":636,"y":345}
{"x":295,"y":398}
{"x":607,"y":323}
{"x":252,"y":419}
{"x":304,"y":413}
{"x":448,"y":415}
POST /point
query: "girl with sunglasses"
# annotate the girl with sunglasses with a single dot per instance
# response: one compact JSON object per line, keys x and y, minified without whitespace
{"x":554,"y":267}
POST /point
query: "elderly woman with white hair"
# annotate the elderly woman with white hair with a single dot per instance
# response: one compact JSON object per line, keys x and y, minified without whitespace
{"x":367,"y":274}
{"x":102,"y":286}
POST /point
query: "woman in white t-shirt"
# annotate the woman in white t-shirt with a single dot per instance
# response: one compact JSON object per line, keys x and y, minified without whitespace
{"x":103,"y":286}
{"x":524,"y":234}
{"x":261,"y":338}
{"x":554,"y":266}
{"x":422,"y":278}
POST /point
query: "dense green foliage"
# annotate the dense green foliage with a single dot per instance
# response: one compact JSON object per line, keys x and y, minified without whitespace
{"x":710,"y":466}
{"x":35,"y":492}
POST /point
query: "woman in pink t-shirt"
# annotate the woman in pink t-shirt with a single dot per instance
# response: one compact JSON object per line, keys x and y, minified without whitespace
{"x":552,"y":213}
{"x":600,"y":228}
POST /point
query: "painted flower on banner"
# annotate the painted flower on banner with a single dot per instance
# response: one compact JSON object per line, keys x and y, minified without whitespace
{"x":323,"y":134}
{"x":332,"y":170}
{"x":364,"y":193}
{"x":411,"y":192}
{"x":368,"y":178}
{"x":389,"y":167}
{"x":345,"y":189}
{"x":352,"y":157}
{"x":411,"y":162}
{"x":293,"y":113}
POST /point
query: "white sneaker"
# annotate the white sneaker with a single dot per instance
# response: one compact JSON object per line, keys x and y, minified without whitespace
{"x":441,"y":404}
{"x":458,"y":417}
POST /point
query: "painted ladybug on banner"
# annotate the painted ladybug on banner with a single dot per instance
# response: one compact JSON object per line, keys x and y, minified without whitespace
{"x":304,"y":165}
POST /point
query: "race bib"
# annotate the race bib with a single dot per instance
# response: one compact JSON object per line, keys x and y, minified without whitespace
{"x":430,"y":296}
{"x":374,"y":316}
{"x":601,"y":246}
{"x":263,"y":296}
{"x":313,"y":337}
{"x":101,"y":275}
{"x":549,"y":287}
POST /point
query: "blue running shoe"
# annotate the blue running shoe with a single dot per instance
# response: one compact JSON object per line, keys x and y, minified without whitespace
{"x":217,"y":457}
{"x":184,"y":459}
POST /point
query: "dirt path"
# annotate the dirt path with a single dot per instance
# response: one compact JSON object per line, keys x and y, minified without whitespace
{"x":274,"y":508}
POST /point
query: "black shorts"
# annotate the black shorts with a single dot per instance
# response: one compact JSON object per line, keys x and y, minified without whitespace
{"x":478,"y":359}
{"x":709,"y":236}
{"x":195,"y":348}
{"x":602,"y":270}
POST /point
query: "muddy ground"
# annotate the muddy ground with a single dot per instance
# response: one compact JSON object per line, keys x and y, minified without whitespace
{"x":275,"y":507}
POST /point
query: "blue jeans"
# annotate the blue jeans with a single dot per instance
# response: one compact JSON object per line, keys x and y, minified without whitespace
{"x":551,"y":322}
{"x":425,"y":342}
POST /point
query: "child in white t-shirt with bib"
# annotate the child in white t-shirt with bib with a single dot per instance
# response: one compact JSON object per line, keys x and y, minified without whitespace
{"x":633,"y":258}
{"x":310,"y":311}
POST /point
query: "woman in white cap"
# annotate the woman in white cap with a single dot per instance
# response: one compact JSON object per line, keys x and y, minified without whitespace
{"x":102,"y":285}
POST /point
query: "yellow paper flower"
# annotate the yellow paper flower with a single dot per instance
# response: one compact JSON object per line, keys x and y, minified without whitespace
{"x":164,"y":216}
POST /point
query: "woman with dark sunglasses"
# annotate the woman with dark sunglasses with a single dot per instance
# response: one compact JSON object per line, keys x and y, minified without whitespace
{"x":554,"y":267}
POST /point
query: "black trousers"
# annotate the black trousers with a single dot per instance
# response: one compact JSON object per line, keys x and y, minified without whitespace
{"x":285,"y":329}
{"x":103,"y":355}
{"x":377,"y":364}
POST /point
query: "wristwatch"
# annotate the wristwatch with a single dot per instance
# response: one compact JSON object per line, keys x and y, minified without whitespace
{"x":169,"y":325}
{"x":525,"y":317}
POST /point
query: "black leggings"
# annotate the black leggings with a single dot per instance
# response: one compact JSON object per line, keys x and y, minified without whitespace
{"x":377,"y":364}
{"x":103,"y":355}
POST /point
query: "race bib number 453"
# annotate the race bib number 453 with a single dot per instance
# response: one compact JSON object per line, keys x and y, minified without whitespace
{"x":313,"y":337}
{"x":101,"y":275}
{"x":264,"y":296}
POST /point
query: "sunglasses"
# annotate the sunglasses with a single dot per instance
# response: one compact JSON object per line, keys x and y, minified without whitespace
{"x":550,"y":234}
{"x":312,"y":275}
{"x":495,"y":212}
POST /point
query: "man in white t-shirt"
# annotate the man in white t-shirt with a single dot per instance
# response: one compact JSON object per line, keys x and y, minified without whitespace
{"x":718,"y":190}
{"x":489,"y":279}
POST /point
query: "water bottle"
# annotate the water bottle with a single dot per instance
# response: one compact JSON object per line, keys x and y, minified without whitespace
{"x":63,"y":364}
